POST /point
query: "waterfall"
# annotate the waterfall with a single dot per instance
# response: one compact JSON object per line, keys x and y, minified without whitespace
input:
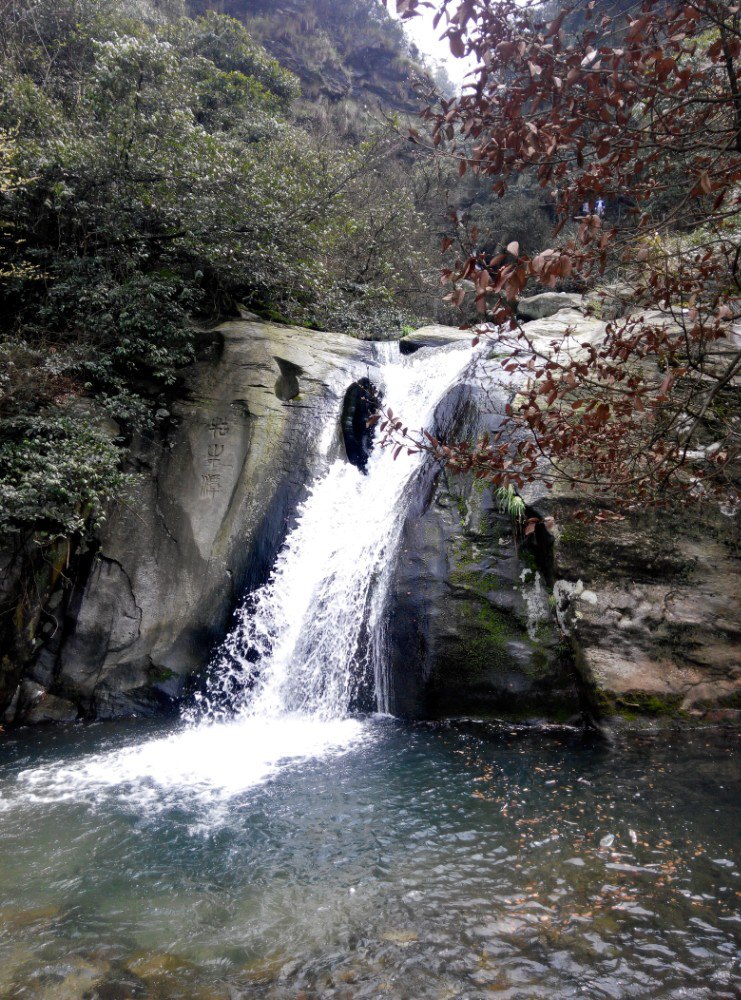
{"x":308,"y":642}
{"x":305,"y":647}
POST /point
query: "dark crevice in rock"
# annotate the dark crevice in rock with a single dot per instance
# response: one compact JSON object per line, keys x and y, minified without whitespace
{"x":69,"y":607}
{"x":287,"y":385}
{"x":590,"y":708}
{"x":540,"y":549}
{"x":409,"y":347}
{"x":362,"y":401}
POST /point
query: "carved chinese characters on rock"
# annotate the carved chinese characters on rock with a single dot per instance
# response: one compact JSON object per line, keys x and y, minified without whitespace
{"x":211,"y":479}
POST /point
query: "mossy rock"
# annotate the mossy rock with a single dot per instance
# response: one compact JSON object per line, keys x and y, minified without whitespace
{"x":634,"y":704}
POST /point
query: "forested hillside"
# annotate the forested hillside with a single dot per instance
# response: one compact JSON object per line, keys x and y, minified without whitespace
{"x":158,"y":167}
{"x":354,"y":52}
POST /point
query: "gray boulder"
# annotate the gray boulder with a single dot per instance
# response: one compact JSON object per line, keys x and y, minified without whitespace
{"x":35,"y":705}
{"x":546,"y":304}
{"x":214,"y":495}
{"x":435,"y":335}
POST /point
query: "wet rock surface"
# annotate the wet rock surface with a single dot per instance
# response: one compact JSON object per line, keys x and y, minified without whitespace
{"x":642,"y":622}
{"x":215,"y":492}
{"x":470,"y":628}
{"x":638,"y":619}
{"x":36,"y":705}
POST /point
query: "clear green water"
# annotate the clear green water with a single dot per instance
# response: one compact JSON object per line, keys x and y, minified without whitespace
{"x":391,"y":860}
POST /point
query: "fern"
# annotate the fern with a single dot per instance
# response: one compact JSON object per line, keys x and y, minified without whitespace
{"x":510,"y":503}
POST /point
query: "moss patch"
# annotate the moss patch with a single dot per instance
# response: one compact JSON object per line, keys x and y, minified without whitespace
{"x":482,"y":646}
{"x":160,"y":674}
{"x":479,"y":580}
{"x":635,"y":704}
{"x":495,"y":625}
{"x":468,"y":571}
{"x":573,"y":533}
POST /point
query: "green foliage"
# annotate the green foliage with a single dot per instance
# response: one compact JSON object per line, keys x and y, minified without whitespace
{"x":152,"y":174}
{"x":510,"y":503}
{"x":57,"y":471}
{"x":230,"y":55}
{"x":10,"y":182}
{"x":122,"y":330}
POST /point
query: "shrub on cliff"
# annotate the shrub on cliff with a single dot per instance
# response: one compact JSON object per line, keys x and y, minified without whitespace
{"x":57,"y":471}
{"x":152,"y":175}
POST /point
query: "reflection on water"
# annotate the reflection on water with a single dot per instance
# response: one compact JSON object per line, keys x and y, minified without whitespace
{"x":366,"y":859}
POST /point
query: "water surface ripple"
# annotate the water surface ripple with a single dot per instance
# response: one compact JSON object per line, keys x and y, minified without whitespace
{"x":368,"y":859}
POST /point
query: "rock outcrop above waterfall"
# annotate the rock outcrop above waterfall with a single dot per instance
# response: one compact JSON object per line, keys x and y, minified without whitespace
{"x":434,"y":335}
{"x":215,"y":490}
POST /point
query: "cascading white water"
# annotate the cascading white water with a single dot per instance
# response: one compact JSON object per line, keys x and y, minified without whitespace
{"x":306,"y":642}
{"x":287,"y":676}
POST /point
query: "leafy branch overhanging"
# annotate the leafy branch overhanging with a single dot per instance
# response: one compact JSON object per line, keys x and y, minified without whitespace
{"x":641,"y":109}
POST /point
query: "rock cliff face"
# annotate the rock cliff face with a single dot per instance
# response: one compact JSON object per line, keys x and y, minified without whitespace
{"x":213,"y":498}
{"x":470,"y":627}
{"x":638,"y":619}
{"x":652,"y":607}
{"x":360,"y":57}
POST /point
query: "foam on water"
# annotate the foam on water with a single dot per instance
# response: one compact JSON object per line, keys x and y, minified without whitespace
{"x":211,"y":762}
